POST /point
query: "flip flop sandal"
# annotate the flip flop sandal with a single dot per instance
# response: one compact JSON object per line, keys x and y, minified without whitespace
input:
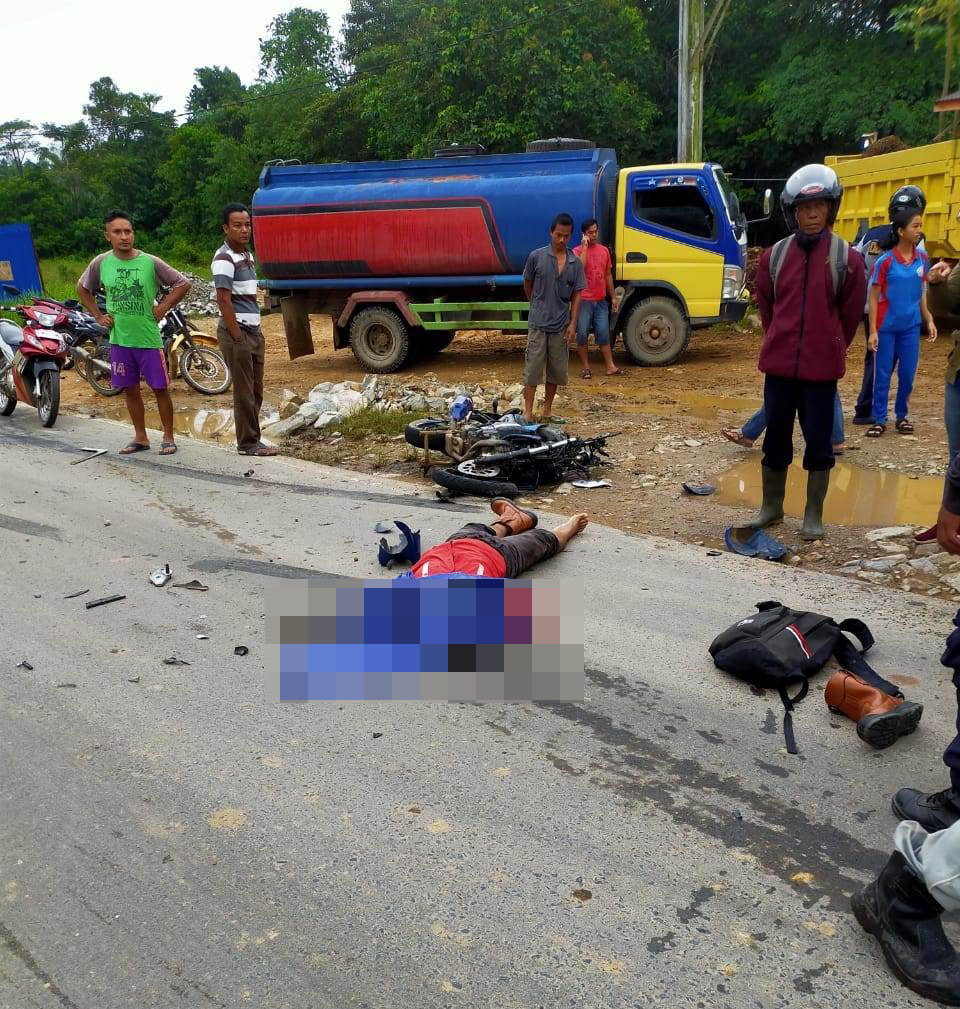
{"x":736,"y":436}
{"x":134,"y":446}
{"x":611,"y":374}
{"x":586,"y":373}
{"x":168,"y":447}
{"x":876,"y":431}
{"x":904,"y":426}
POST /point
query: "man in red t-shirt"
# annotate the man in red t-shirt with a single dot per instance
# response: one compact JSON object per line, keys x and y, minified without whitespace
{"x":594,"y":312}
{"x":504,"y":549}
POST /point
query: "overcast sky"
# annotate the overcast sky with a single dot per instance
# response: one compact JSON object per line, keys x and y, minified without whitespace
{"x":53,"y":49}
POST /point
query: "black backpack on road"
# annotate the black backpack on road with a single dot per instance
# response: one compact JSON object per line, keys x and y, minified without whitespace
{"x":781,"y":648}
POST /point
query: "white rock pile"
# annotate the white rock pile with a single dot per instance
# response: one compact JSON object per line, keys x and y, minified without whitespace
{"x":330,"y":402}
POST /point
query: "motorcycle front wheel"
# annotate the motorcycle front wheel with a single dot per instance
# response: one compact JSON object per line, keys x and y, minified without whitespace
{"x":48,"y":406}
{"x":454,"y":480}
{"x":97,"y":378}
{"x":205,"y":370}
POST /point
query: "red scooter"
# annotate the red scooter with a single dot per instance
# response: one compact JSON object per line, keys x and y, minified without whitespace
{"x":31,"y":360}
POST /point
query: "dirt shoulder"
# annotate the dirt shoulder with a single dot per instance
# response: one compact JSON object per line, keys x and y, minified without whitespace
{"x":668,"y":421}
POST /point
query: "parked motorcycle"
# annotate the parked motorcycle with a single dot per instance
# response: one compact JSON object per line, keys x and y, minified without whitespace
{"x":32,"y":359}
{"x":194,"y":355}
{"x":89,"y":344}
{"x":501,"y":455}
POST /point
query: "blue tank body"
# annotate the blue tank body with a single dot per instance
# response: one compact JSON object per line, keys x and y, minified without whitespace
{"x":455,"y":220}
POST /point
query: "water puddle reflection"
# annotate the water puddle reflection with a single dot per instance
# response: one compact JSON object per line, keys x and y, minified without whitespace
{"x":857,"y":496}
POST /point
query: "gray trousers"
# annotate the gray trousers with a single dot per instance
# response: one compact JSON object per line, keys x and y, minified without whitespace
{"x":519,"y":552}
{"x":935,"y":858}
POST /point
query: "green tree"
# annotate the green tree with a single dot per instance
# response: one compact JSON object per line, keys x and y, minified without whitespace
{"x":17,"y":142}
{"x":298,"y":44}
{"x":478,"y":72}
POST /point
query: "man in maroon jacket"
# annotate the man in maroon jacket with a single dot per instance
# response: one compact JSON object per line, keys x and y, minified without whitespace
{"x":810,"y":290}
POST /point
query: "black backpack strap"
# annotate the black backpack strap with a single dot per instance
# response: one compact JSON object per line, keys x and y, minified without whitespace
{"x":788,"y":703}
{"x":769,"y":604}
{"x":860,"y":631}
{"x":852,"y":660}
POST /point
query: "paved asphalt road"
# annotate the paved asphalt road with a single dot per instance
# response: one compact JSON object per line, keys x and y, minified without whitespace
{"x":177,"y":841}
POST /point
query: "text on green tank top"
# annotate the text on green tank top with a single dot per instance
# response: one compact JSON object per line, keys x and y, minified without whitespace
{"x":131,"y":286}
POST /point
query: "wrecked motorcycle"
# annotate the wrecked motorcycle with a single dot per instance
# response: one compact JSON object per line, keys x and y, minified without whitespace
{"x":501,"y":455}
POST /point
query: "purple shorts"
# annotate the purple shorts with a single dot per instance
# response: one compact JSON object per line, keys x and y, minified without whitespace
{"x":129,"y":364}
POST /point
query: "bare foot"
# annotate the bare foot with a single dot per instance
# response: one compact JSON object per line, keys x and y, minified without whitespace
{"x":572,"y":527}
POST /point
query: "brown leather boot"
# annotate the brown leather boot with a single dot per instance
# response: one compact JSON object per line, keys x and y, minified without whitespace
{"x":881,"y":719}
{"x":517,"y":520}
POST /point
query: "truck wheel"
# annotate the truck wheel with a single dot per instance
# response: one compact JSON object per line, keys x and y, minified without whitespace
{"x":380,"y":339}
{"x":452,"y":479}
{"x":656,"y":332}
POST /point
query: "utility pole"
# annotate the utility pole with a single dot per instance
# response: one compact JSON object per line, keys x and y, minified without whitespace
{"x":690,"y":82}
{"x":697,"y":37}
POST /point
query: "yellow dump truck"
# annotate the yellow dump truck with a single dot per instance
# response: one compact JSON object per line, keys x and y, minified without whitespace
{"x":869,"y":181}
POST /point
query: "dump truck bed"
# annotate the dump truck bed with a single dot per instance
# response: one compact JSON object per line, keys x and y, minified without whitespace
{"x":869,"y":182}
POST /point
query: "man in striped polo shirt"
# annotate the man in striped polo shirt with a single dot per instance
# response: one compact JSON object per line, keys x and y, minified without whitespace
{"x":238,"y":332}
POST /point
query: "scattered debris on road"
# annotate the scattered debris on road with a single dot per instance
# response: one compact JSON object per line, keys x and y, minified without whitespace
{"x":750,"y":542}
{"x":96,"y":452}
{"x":133,"y":679}
{"x":161,"y":576}
{"x":589,"y":484}
{"x":23,"y":664}
{"x":203,"y":637}
{"x":699,"y":489}
{"x":74,"y":595}
{"x":174,"y":661}
{"x":66,"y":684}
{"x":241,"y":650}
{"x":195,"y":585}
{"x":104,"y":601}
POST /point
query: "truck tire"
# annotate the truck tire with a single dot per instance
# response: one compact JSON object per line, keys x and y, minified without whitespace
{"x":428,"y":432}
{"x":379,"y":339}
{"x":656,"y":332}
{"x":463,"y":484}
{"x":560,"y":144}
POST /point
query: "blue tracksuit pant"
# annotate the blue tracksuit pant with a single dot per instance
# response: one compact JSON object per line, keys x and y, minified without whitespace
{"x":902,"y":346}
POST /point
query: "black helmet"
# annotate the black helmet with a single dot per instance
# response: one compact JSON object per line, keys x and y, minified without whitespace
{"x":907,"y":198}
{"x":812,"y":182}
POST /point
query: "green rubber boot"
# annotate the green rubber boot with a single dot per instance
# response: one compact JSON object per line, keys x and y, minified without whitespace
{"x":817,"y":482}
{"x":774,"y":489}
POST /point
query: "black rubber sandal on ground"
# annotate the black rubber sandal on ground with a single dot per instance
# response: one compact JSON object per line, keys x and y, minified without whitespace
{"x":134,"y":446}
{"x":904,"y":426}
{"x":876,"y":431}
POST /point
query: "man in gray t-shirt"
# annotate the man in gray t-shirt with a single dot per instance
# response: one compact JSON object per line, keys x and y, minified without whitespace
{"x":552,"y":281}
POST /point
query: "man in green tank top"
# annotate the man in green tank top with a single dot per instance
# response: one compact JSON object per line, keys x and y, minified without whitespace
{"x":131,"y":280}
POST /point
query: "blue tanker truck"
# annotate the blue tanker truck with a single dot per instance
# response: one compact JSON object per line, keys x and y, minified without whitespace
{"x":403,"y":254}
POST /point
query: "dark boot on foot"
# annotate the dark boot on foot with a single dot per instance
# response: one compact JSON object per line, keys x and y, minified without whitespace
{"x":817,"y":482}
{"x":898,"y":909}
{"x":881,"y":719}
{"x":774,"y":490}
{"x":933,"y":812}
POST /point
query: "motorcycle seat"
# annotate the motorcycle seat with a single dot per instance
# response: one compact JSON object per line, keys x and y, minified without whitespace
{"x":10,"y":333}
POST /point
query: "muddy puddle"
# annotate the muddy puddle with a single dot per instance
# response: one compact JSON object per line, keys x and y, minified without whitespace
{"x":857,"y":496}
{"x":681,"y":401}
{"x":208,"y":423}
